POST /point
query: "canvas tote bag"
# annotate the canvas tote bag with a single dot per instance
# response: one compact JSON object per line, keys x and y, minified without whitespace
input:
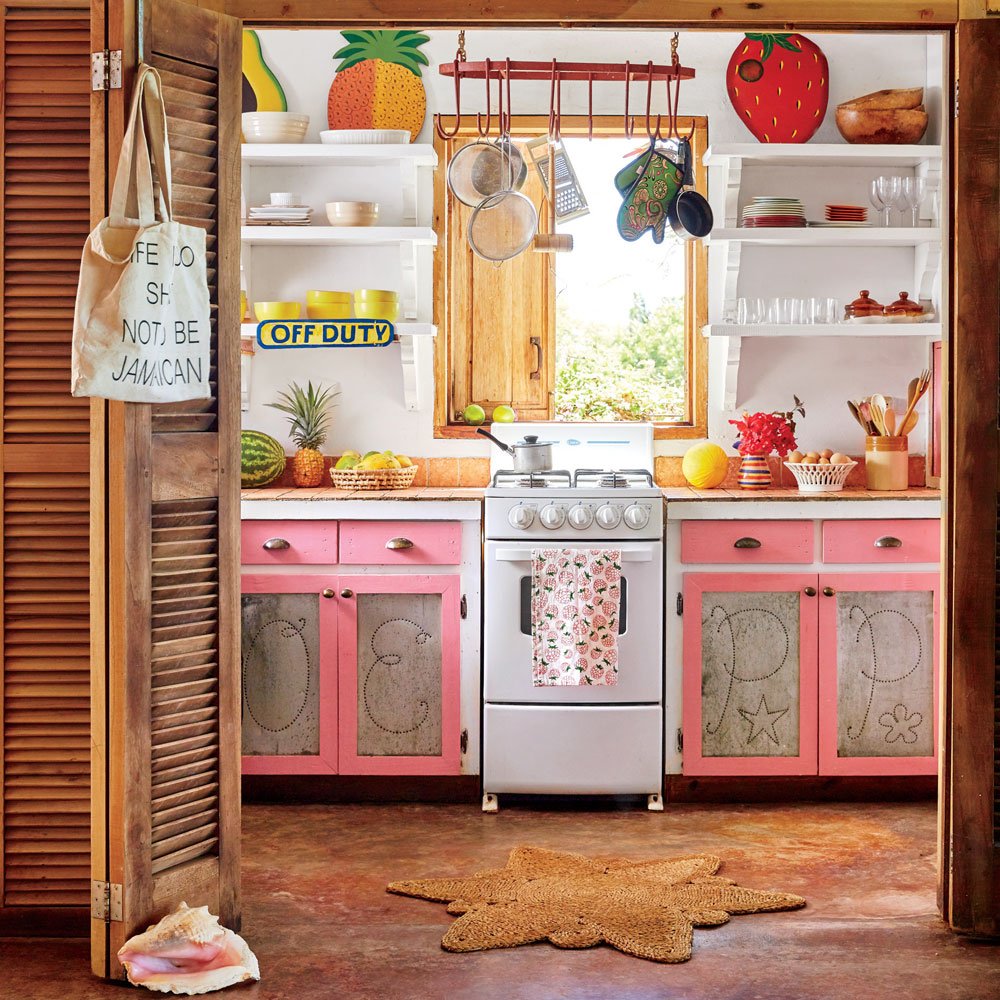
{"x":142,"y":325}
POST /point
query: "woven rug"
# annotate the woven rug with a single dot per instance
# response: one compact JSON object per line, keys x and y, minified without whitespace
{"x":644,"y":908}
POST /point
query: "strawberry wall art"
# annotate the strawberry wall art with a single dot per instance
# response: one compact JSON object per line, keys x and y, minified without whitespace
{"x":779,"y":83}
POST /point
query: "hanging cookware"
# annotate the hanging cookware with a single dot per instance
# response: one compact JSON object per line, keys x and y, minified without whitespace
{"x":655,"y":183}
{"x":484,"y":168}
{"x":529,"y":454}
{"x":689,"y":213}
{"x":504,"y":224}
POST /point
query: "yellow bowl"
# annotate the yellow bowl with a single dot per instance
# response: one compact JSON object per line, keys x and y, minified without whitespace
{"x":319,"y":295}
{"x":375,"y":295}
{"x":377,"y":310}
{"x":277,"y":310}
{"x":328,"y":310}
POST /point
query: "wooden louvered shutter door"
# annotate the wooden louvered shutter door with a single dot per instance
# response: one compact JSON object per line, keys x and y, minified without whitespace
{"x":44,"y":688}
{"x":173,"y":530}
{"x":970,"y":750}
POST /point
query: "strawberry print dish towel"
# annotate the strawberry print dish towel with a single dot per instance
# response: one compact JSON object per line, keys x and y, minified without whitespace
{"x":575,"y":597}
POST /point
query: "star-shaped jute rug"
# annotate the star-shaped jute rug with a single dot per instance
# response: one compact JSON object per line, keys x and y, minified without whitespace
{"x":644,"y":908}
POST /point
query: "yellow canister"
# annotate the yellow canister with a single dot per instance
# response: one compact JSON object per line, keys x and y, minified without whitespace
{"x":887,"y":463}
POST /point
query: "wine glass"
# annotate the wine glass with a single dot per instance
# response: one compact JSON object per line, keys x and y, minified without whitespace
{"x":913,"y":191}
{"x":888,"y":188}
{"x":876,"y":200}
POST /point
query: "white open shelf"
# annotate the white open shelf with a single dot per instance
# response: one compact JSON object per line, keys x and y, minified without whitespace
{"x":310,"y":154}
{"x":248,"y":331}
{"x":928,"y":329}
{"x":820,"y":154}
{"x":809,"y":236}
{"x":330,"y":236}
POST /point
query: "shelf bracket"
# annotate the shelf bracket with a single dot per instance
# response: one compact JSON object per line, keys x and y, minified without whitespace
{"x":415,"y":355}
{"x":734,"y":348}
{"x":733,"y":252}
{"x":734,"y":178}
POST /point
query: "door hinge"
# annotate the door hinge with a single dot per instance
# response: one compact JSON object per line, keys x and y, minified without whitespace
{"x":106,"y":901}
{"x":680,"y":739}
{"x":463,"y":741}
{"x":680,"y":604}
{"x":463,"y":607}
{"x":106,"y":70}
{"x":956,"y":97}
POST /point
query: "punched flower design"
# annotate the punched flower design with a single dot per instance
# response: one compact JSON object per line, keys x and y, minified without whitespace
{"x":643,"y":908}
{"x":575,"y":598}
{"x":900,"y":724}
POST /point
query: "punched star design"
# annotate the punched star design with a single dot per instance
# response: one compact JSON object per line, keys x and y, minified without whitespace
{"x":762,"y":721}
{"x":644,"y":908}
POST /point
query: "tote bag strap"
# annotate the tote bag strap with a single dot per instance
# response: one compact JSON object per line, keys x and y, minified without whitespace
{"x":144,"y":147}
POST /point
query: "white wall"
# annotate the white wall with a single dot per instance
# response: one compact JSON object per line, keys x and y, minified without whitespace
{"x":823,"y":373}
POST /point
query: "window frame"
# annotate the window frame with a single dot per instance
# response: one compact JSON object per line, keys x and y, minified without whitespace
{"x":696,"y":267}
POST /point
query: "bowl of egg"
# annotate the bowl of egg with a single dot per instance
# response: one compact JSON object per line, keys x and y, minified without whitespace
{"x":820,"y":471}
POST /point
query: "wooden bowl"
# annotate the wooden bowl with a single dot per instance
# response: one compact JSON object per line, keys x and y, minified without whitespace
{"x":896,"y":126}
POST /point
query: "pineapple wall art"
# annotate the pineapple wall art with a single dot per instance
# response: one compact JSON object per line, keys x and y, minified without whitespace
{"x":378,"y":83}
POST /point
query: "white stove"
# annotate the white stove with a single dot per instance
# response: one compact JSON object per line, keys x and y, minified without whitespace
{"x":577,"y":739}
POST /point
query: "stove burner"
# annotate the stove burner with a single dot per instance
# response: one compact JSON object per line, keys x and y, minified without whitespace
{"x":612,"y":479}
{"x":549,"y":479}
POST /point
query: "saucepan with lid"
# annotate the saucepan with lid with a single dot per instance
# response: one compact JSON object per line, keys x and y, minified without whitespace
{"x":529,"y":454}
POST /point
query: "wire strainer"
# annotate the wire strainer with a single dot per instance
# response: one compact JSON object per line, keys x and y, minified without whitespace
{"x":502,"y":226}
{"x":485,"y":168}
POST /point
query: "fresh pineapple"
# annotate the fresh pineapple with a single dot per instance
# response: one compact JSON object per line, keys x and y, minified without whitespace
{"x":309,"y":413}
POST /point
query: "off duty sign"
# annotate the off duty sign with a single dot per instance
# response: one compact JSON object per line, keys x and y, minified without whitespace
{"x":274,"y":334}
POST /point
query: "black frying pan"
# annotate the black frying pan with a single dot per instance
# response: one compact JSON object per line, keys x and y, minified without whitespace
{"x":689,"y":213}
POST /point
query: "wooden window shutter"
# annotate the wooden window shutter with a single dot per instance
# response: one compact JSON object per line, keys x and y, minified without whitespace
{"x":44,"y":687}
{"x":172,"y":740}
{"x":499,"y":318}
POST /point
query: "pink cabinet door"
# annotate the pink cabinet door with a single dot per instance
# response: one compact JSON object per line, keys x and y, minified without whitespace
{"x":289,"y":668}
{"x":399,"y":646}
{"x":750,"y":651}
{"x":878,"y":673}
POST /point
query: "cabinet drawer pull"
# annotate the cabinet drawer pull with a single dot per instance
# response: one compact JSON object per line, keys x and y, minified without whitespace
{"x":888,"y":542}
{"x":347,"y":593}
{"x":276,"y":544}
{"x":746,"y":543}
{"x":828,"y":592}
{"x":327,"y":592}
{"x":810,"y":591}
{"x":399,"y":543}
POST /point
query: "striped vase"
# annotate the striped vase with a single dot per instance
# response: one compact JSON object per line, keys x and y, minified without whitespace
{"x":755,"y":473}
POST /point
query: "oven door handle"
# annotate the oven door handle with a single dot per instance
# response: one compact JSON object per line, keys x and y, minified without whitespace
{"x":524,"y":555}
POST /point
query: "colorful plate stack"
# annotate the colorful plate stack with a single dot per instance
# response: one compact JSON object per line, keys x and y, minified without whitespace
{"x":767,"y":212}
{"x":845,"y":215}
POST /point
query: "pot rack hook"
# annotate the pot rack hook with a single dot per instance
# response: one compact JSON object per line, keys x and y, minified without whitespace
{"x":505,"y":106}
{"x":655,"y":135}
{"x":590,"y":107}
{"x":628,"y":126}
{"x":484,"y":132}
{"x":442,"y":132}
{"x":555,"y":105}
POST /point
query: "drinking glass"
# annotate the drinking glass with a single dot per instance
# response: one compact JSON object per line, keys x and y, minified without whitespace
{"x":876,"y":200}
{"x":775,"y":311}
{"x":812,"y":310}
{"x":888,"y":188}
{"x":913,"y":191}
{"x":749,"y":311}
{"x":797,"y":311}
{"x":831,"y":311}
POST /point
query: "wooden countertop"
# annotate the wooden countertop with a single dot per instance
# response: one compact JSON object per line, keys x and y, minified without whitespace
{"x":425,"y":493}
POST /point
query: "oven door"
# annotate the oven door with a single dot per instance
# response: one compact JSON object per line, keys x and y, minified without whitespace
{"x":507,"y":628}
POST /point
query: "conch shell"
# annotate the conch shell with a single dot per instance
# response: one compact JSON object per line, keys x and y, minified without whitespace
{"x":188,"y":952}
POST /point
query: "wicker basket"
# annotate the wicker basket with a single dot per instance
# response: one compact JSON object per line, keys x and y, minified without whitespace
{"x":815,"y":478}
{"x":373,"y":479}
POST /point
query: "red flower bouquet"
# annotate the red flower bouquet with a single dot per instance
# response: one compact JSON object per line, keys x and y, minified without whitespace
{"x":763,"y":433}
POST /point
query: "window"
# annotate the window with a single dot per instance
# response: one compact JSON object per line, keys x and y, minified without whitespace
{"x":610,"y":331}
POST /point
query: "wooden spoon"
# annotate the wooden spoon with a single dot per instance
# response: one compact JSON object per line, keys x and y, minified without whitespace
{"x":889,"y":418}
{"x":856,"y":413}
{"x":911,"y":422}
{"x":878,"y":405}
{"x":922,"y":385}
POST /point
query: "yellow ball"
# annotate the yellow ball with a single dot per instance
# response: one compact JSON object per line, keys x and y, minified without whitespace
{"x":705,"y":465}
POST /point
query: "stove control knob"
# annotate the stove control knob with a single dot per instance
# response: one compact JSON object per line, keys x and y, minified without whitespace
{"x":521,"y":517}
{"x":636,"y":516}
{"x":581,"y":517}
{"x":608,"y":516}
{"x":552,"y":516}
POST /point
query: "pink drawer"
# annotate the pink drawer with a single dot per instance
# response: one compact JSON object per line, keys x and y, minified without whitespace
{"x":401,"y":543}
{"x":747,"y":542}
{"x":288,"y":542}
{"x":917,"y":541}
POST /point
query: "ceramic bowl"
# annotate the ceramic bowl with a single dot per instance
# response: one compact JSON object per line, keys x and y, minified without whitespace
{"x":386,"y":309}
{"x":375,"y":294}
{"x":364,"y":136}
{"x":328,"y":310}
{"x":893,"y":126}
{"x":277,"y":310}
{"x":285,"y":199}
{"x":274,"y":126}
{"x":352,"y":213}
{"x":316,"y":295}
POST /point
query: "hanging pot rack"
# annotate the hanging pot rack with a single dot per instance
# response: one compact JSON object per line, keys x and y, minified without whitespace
{"x":503,"y":71}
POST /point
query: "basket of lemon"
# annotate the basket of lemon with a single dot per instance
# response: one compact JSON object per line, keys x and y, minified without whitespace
{"x":375,"y":470}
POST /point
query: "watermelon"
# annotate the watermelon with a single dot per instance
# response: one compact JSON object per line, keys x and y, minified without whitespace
{"x":262,"y":459}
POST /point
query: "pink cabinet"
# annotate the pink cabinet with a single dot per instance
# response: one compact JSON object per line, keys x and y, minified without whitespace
{"x":401,"y":543}
{"x":289,"y":668}
{"x":398,"y":649}
{"x":878,"y":673}
{"x":882,"y":542}
{"x":282,"y":543}
{"x":740,"y":542}
{"x":750,"y":663}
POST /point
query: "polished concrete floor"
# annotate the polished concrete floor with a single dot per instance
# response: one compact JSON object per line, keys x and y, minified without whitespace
{"x":322,"y":926}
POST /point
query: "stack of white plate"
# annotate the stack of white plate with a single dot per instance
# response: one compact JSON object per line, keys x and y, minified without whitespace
{"x":766,"y":212}
{"x":280,"y":215}
{"x":274,"y":126}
